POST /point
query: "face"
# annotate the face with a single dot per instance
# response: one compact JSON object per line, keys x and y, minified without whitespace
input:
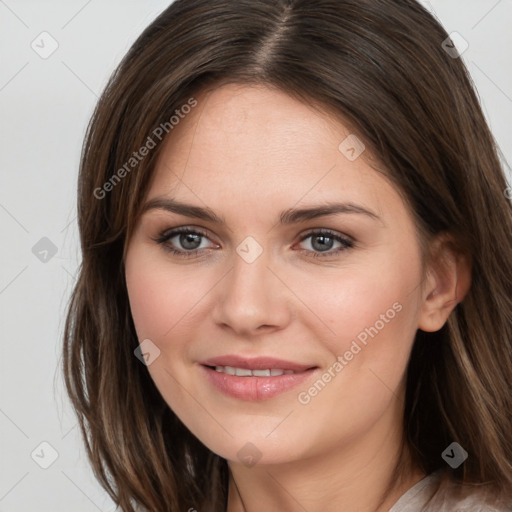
{"x":267,"y":245}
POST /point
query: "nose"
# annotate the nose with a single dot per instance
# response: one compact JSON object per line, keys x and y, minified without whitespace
{"x":252,"y":299}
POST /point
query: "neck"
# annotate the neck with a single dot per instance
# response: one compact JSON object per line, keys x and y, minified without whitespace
{"x":355,"y":477}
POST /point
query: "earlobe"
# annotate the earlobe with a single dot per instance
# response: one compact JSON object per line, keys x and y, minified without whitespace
{"x":447,"y":283}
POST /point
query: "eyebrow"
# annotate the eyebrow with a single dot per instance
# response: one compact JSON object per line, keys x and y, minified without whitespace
{"x":289,"y":216}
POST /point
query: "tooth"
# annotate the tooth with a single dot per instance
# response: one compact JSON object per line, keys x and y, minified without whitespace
{"x":229,"y":370}
{"x":242,"y":372}
{"x":261,"y":373}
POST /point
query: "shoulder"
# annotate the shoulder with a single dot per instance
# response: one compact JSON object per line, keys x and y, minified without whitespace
{"x":437,"y":492}
{"x":457,"y":497}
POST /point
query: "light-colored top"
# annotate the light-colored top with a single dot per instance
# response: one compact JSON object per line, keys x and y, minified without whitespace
{"x":437,"y":494}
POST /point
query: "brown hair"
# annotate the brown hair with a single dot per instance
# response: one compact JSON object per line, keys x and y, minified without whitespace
{"x":379,"y":66}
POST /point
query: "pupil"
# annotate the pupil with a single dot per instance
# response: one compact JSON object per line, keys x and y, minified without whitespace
{"x":190,"y":240}
{"x":325,"y":243}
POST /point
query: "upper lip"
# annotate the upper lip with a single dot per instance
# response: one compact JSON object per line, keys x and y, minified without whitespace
{"x":256,"y":363}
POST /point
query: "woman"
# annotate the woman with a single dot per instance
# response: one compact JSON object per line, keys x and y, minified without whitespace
{"x":296,"y":283}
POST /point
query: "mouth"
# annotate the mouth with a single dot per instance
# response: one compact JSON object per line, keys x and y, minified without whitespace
{"x":254,"y":379}
{"x":245,"y":372}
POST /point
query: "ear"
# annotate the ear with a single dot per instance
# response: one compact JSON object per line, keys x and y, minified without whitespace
{"x":447,"y":282}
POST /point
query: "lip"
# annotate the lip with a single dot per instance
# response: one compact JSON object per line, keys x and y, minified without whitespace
{"x":255,"y":388}
{"x":256,"y":363}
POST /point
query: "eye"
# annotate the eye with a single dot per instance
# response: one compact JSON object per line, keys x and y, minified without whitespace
{"x":187,"y":242}
{"x":184,"y":241}
{"x":322,"y":242}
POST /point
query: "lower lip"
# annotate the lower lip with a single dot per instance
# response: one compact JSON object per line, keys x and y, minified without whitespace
{"x":255,"y":388}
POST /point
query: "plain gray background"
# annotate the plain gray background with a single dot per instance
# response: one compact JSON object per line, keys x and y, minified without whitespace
{"x":45,"y":107}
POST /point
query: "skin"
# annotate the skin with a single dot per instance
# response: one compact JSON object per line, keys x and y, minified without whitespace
{"x":248,"y":153}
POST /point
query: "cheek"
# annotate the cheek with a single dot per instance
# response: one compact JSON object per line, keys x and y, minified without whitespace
{"x":159,"y":299}
{"x":372,"y":319}
{"x":149,"y":302}
{"x":373,"y":316}
{"x":359,"y":303}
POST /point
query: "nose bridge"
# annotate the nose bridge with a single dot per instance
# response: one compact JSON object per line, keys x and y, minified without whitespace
{"x":251,"y":295}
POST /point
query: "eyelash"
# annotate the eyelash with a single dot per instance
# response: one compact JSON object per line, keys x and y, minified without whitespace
{"x":167,"y":235}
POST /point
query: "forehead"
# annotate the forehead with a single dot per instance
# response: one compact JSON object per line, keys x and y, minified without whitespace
{"x":253,"y":121}
{"x":253,"y":142}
